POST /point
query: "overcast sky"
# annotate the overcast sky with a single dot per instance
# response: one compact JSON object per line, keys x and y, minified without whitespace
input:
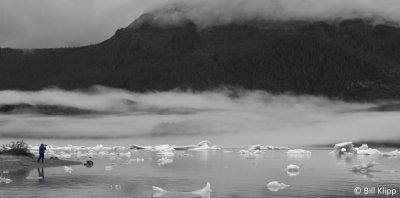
{"x":58,"y":23}
{"x":66,"y":23}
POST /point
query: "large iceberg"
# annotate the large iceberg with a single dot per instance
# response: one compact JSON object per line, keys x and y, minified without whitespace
{"x":204,"y":192}
{"x":344,"y":147}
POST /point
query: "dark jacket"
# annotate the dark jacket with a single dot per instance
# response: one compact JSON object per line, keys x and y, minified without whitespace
{"x":41,"y":150}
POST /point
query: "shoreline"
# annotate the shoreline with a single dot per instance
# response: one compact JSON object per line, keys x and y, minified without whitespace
{"x":13,"y":162}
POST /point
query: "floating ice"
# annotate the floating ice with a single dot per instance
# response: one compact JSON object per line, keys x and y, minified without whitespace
{"x":364,"y":150}
{"x":204,"y":192}
{"x":203,"y":145}
{"x":134,"y":146}
{"x":164,"y":160}
{"x":292,"y":170}
{"x":344,"y":147}
{"x":276,"y":186}
{"x":298,"y":152}
{"x":4,"y":180}
{"x":108,"y":168}
{"x":256,"y":147}
{"x":391,"y":154}
{"x":277,"y":148}
{"x":163,"y":147}
{"x":68,"y":169}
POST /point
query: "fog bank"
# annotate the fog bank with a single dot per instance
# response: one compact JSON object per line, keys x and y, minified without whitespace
{"x":228,"y":118}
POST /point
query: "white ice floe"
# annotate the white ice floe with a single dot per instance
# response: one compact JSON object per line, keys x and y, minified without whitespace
{"x":256,"y":147}
{"x":203,"y":145}
{"x":391,"y":154}
{"x":163,"y":147}
{"x":137,"y":160}
{"x":138,"y":147}
{"x":344,"y":148}
{"x":68,"y":169}
{"x":108,"y":168}
{"x":277,"y":148}
{"x":164,"y":160}
{"x":364,"y":150}
{"x":363,"y":168}
{"x":298,"y":152}
{"x":292,"y":170}
{"x":204,"y":192}
{"x":276,"y":186}
{"x":4,"y":180}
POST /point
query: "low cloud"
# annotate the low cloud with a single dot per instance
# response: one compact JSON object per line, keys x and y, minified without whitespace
{"x":247,"y":118}
{"x":64,"y":23}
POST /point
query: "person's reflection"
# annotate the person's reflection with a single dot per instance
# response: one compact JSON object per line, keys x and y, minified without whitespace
{"x":41,"y":176}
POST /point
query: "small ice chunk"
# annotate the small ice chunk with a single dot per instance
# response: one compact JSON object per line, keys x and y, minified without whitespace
{"x":134,"y":146}
{"x":164,"y":160}
{"x":4,"y":180}
{"x":292,"y":167}
{"x":277,"y":148}
{"x":298,"y":152}
{"x":276,"y":186}
{"x":163,"y":147}
{"x":256,"y":147}
{"x":292,"y":170}
{"x":68,"y":169}
{"x":108,"y":168}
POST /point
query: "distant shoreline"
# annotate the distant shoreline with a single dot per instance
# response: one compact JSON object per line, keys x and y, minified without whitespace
{"x":12,"y":162}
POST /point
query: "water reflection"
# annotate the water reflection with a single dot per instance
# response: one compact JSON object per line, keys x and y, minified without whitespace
{"x":41,"y":176}
{"x":203,"y":193}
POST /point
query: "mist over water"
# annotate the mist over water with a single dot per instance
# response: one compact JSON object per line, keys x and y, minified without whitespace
{"x":230,"y":118}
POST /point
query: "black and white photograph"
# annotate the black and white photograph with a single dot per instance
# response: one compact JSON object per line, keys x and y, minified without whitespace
{"x":199,"y":98}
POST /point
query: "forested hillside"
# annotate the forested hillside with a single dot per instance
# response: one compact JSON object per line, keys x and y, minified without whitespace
{"x":353,"y":60}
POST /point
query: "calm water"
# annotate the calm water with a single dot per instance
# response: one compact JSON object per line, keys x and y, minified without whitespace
{"x":229,"y":173}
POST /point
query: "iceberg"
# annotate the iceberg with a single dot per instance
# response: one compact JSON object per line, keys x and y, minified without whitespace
{"x":344,"y":147}
{"x":108,"y":168}
{"x":203,"y":193}
{"x":391,"y":154}
{"x":298,"y":152}
{"x":364,"y":150}
{"x":276,"y":186}
{"x":277,"y":148}
{"x":164,"y":160}
{"x":256,"y":147}
{"x":4,"y":180}
{"x":203,"y":145}
{"x":68,"y":169}
{"x":292,"y":170}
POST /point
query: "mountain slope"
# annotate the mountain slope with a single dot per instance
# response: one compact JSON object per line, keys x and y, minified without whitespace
{"x":352,"y":60}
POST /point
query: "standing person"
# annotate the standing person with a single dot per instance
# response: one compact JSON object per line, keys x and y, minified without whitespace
{"x":42,"y":149}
